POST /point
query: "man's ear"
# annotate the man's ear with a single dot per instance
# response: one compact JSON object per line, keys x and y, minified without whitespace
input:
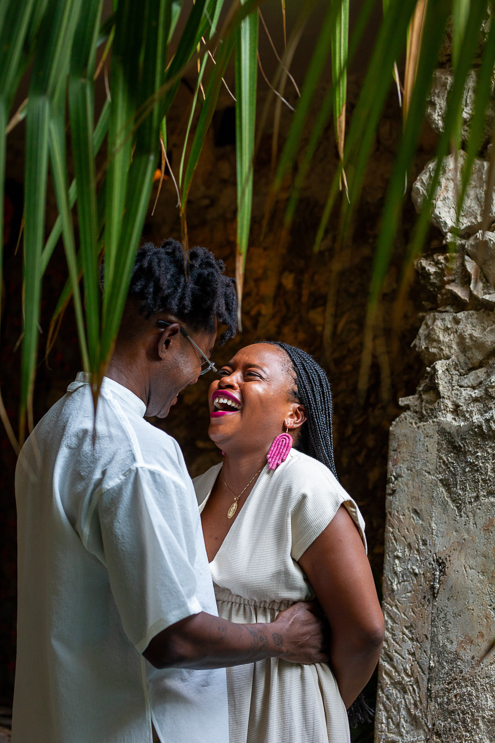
{"x":168,"y":337}
{"x":296,"y":417}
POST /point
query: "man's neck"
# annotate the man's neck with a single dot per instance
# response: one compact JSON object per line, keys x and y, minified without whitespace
{"x":129,"y":375}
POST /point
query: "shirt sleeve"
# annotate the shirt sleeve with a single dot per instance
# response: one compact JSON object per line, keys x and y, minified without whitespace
{"x":148,"y":538}
{"x":319,"y":500}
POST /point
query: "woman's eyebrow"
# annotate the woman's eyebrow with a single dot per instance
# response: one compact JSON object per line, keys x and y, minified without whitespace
{"x":256,"y":366}
{"x":249,"y":365}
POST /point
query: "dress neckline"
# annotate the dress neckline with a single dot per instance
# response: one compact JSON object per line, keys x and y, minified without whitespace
{"x":241,"y":509}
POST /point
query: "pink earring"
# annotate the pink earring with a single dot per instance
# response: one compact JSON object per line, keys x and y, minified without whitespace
{"x":279,"y":450}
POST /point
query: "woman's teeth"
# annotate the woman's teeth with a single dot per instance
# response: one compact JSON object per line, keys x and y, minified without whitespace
{"x":219,"y":401}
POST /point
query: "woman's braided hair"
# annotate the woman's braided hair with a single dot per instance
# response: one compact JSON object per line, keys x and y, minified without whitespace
{"x":312,"y":389}
{"x":189,"y":285}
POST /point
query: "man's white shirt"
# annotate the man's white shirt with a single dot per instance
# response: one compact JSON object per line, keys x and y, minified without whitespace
{"x":110,"y":553}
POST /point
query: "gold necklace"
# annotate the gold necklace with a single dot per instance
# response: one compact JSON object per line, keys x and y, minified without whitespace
{"x":233,"y":507}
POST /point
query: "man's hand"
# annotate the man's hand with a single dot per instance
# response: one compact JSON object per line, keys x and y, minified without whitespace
{"x":304,"y":633}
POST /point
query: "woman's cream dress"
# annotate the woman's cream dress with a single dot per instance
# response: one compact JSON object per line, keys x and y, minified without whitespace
{"x":256,"y":575}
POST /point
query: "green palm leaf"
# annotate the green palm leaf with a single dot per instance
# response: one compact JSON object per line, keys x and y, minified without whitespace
{"x":99,"y":134}
{"x":59,"y":170}
{"x":433,"y":35}
{"x":81,"y":103}
{"x":246,"y":68}
{"x":339,"y":44}
{"x":212,"y":31}
{"x":211,"y":97}
{"x":48,"y":77}
{"x":326,"y":108}
{"x":60,"y":38}
{"x":139,"y":180}
{"x":14,"y":21}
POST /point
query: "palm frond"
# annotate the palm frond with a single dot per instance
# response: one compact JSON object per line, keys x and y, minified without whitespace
{"x":60,"y":38}
{"x":246,"y":78}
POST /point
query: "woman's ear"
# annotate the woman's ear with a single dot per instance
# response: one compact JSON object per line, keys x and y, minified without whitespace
{"x":296,"y":417}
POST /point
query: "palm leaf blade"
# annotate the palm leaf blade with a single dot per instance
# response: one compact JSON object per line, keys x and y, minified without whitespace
{"x":246,"y":80}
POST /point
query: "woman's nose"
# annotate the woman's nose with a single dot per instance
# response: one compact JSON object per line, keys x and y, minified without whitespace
{"x":229,"y":381}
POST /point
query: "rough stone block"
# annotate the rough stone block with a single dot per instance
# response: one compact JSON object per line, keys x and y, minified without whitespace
{"x":437,"y":102}
{"x":481,"y":248}
{"x":469,"y":336}
{"x":445,"y":201}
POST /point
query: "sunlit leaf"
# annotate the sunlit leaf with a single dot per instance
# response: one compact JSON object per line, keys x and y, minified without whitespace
{"x":246,"y":77}
{"x":414,"y":38}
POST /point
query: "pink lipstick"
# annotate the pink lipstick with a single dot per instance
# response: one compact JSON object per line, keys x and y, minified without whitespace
{"x":229,"y":402}
{"x":225,"y":393}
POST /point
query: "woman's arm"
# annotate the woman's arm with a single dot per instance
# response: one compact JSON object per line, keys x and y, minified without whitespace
{"x":339,"y":572}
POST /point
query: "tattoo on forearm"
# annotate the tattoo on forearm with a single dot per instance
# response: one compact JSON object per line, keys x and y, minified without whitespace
{"x":259,"y":641}
{"x":218,"y":630}
{"x":278,"y":640}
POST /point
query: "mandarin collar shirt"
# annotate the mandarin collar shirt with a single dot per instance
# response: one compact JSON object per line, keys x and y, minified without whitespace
{"x":111,"y":553}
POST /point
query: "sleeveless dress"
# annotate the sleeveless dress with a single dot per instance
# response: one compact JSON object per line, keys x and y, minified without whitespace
{"x":256,"y":575}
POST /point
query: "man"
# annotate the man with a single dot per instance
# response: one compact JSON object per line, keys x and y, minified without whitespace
{"x":117,"y":627}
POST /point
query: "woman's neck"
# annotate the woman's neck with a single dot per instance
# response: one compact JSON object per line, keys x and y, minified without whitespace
{"x":239,"y":468}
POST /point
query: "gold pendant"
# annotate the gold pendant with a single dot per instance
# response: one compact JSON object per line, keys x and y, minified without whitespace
{"x":232,"y":510}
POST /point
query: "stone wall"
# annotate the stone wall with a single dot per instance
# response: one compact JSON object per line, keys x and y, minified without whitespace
{"x":439,"y":574}
{"x":439,"y":571}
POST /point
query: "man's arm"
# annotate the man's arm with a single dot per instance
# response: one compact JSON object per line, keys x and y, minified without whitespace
{"x":203,"y":641}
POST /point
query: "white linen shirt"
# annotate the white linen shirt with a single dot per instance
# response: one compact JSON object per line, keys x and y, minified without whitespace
{"x":111,"y":552}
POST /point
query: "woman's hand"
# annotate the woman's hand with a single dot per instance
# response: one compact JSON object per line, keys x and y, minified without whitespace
{"x":305,"y":633}
{"x":339,"y":572}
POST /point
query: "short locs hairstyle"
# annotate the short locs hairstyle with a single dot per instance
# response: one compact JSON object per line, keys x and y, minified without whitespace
{"x":191,"y":286}
{"x":312,"y":389}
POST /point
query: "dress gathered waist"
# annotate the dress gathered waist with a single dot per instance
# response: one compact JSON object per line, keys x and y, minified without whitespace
{"x":223,"y":595}
{"x":288,"y":701}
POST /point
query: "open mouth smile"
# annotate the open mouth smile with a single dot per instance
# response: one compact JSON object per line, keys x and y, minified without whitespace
{"x":224,"y":403}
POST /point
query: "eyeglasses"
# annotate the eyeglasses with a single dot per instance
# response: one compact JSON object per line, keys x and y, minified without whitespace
{"x":206,"y":364}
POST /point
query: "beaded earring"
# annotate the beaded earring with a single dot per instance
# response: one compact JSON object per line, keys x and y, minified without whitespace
{"x":279,"y":450}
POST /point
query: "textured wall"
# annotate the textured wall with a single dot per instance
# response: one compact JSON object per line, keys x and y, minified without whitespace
{"x":439,"y":572}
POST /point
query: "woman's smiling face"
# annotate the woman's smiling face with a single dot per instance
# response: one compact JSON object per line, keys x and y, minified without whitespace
{"x":251,"y":401}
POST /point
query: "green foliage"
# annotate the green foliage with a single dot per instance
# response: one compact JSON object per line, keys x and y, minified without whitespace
{"x":60,"y":38}
{"x":246,"y":67}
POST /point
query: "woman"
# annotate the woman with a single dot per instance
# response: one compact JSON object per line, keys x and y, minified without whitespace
{"x":284,"y":533}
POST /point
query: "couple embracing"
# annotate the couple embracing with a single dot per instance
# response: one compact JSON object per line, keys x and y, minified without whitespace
{"x":132,"y":601}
